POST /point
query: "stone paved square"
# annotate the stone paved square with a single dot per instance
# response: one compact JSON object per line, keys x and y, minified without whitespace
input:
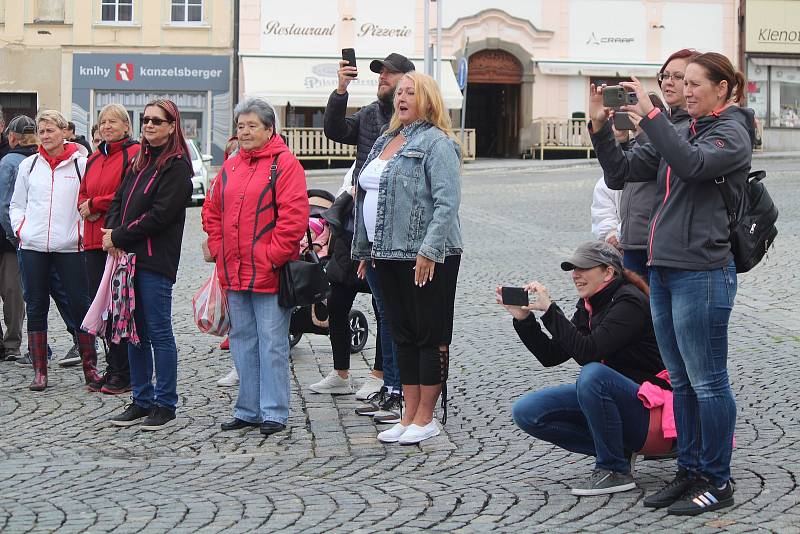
{"x":64,"y":469}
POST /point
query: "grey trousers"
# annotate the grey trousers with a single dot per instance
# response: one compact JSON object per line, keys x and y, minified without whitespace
{"x":13,"y":304}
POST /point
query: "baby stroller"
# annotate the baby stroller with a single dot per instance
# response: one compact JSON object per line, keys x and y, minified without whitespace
{"x":314,"y":319}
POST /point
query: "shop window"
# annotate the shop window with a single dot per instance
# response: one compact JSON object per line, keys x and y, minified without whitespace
{"x":49,"y":11}
{"x":116,"y":10}
{"x":301,"y":117}
{"x":773,"y":91}
{"x":187,"y":11}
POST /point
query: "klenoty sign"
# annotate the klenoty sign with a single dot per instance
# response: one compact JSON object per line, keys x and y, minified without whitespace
{"x":773,"y":26}
{"x":150,"y":71}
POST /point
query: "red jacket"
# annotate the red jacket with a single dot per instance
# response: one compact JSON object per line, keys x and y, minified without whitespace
{"x":104,"y":172}
{"x":243,"y":237}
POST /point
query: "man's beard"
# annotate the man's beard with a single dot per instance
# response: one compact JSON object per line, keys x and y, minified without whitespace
{"x":387,"y":95}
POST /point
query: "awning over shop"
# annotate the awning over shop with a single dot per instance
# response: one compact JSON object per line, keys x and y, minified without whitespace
{"x":597,"y":68}
{"x":776,"y":61}
{"x":308,"y":82}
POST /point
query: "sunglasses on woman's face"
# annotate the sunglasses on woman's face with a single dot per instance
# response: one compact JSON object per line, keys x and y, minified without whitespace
{"x":155,"y":120}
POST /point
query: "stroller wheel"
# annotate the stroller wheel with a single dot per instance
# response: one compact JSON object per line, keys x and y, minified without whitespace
{"x":359,"y":331}
{"x":294,"y":339}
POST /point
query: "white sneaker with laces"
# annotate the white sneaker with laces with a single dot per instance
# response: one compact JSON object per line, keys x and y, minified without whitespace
{"x":372,"y":384}
{"x":393,"y":434}
{"x":333,"y":384}
{"x":415,"y":433}
{"x":229,"y":380}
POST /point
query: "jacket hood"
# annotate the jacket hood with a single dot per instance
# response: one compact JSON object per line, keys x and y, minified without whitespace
{"x":744,"y":116}
{"x":25,"y":150}
{"x":274,"y":146}
{"x":71,"y":150}
{"x":115,"y":146}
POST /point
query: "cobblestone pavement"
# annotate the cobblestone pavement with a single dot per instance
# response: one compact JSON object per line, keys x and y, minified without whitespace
{"x":62,"y":468}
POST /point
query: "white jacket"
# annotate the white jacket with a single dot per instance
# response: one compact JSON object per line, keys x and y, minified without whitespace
{"x":605,"y":211}
{"x":44,"y":206}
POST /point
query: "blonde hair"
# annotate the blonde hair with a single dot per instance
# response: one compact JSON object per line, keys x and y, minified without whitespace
{"x":430,"y":105}
{"x":51,"y":115}
{"x":117,"y":111}
{"x":27,"y":139}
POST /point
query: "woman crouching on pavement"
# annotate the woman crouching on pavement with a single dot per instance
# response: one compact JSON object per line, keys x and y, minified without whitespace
{"x":611,"y":337}
{"x":147,"y":216}
{"x":249,"y":247}
{"x":407,"y":222}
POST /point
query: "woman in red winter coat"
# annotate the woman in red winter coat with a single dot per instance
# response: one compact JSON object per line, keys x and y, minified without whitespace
{"x":104,"y":172}
{"x":249,"y":247}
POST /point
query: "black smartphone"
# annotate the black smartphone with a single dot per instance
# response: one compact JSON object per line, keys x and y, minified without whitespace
{"x":514,"y":296}
{"x":622,"y":121}
{"x":656,"y":101}
{"x":616,"y":96}
{"x":349,"y":55}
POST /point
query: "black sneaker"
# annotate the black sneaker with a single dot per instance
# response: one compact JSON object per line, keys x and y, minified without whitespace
{"x":160,"y":417}
{"x":373,"y":403}
{"x":603,"y":482}
{"x":132,"y":415}
{"x":672,"y":491}
{"x":71,"y":358}
{"x":702,"y":497}
{"x":391,"y":410}
{"x":96,"y":385}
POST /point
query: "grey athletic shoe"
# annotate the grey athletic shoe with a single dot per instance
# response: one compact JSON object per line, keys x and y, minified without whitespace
{"x":603,"y":482}
{"x":71,"y":358}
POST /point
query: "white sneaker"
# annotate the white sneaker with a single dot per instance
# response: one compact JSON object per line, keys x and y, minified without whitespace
{"x":229,"y":380}
{"x":393,"y":434}
{"x":372,"y":384}
{"x":333,"y":384}
{"x":416,"y":433}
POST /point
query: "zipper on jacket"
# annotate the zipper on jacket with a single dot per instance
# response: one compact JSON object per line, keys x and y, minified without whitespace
{"x":50,"y":214}
{"x":149,"y":247}
{"x":655,"y":220}
{"x":135,"y":183}
{"x":149,"y":183}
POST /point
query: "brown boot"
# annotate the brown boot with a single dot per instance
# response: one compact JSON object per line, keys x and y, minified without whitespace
{"x":88,"y":351}
{"x":37,"y":346}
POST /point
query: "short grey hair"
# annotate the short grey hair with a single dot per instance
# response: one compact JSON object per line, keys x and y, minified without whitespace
{"x":262,"y":109}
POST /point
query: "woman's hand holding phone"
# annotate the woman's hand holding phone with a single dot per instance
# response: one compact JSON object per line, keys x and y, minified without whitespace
{"x":542,"y":300}
{"x":644,"y":106}
{"x":518,"y":312}
{"x":598,"y":113}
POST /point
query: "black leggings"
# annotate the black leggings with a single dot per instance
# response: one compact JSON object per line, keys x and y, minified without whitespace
{"x":420,"y":318}
{"x":340,"y":302}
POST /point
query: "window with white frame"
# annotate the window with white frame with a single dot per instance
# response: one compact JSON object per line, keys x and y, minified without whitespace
{"x":187,"y":11}
{"x":116,"y":10}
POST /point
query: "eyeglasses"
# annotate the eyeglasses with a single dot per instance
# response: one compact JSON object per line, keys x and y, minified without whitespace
{"x":676,"y":76}
{"x":155,"y":120}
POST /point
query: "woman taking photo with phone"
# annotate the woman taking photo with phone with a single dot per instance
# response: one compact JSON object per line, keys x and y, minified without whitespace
{"x":413,"y":173}
{"x":611,"y":337}
{"x":692,"y":273}
{"x":104,"y":172}
{"x":146,"y":218}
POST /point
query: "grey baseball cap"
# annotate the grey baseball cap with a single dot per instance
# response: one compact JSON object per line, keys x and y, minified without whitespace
{"x":394,"y":62}
{"x":594,"y":253}
{"x":21,"y":124}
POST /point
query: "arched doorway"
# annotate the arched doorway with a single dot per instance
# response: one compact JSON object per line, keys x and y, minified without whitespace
{"x":493,"y":102}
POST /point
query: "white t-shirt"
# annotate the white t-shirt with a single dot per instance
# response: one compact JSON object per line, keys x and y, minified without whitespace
{"x":369,"y":180}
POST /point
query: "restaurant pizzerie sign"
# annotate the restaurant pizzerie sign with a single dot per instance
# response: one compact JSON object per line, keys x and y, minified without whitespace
{"x":367,"y":29}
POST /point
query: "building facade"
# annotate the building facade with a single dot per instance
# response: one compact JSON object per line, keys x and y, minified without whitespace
{"x":78,"y":55}
{"x":772,"y":52}
{"x":527,"y":59}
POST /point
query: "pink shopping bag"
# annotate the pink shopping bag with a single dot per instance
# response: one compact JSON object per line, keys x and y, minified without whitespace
{"x":211,"y":307}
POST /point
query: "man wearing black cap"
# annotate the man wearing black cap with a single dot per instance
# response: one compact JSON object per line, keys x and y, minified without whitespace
{"x":21,"y":138}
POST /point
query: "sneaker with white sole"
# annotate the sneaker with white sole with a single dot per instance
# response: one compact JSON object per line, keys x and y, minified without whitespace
{"x":229,"y":380}
{"x":393,"y":434}
{"x":603,"y":482}
{"x":373,"y":403}
{"x":71,"y":358}
{"x":391,"y":410}
{"x":333,"y":384}
{"x":160,"y":417}
{"x":371,"y":385}
{"x":415,"y":433}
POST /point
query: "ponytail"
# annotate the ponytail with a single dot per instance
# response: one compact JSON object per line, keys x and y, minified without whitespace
{"x":738,"y":92}
{"x":636,"y":280}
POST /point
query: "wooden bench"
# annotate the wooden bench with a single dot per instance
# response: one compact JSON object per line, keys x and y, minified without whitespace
{"x":550,"y":133}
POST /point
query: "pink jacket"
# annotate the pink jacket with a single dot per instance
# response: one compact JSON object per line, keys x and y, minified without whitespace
{"x":653,"y":397}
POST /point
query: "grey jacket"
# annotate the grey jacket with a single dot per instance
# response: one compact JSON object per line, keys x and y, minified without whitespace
{"x":418,"y":199}
{"x":361,"y":128}
{"x":689,"y":229}
{"x":639,"y":199}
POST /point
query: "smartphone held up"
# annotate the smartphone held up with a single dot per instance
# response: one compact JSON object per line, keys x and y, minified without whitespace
{"x":349,"y":55}
{"x":514,"y":296}
{"x":615,"y":96}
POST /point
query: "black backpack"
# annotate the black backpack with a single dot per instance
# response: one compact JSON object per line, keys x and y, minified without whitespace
{"x":752,"y":227}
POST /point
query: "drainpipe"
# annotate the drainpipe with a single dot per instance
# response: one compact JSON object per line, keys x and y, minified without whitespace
{"x":235,"y":72}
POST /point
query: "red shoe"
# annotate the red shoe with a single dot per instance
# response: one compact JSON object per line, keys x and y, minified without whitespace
{"x":226,"y":344}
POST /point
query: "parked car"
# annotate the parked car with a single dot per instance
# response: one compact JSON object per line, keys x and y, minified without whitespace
{"x":200,"y":166}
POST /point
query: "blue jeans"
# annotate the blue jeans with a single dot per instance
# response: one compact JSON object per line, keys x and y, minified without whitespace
{"x":691,"y":310}
{"x":391,"y":373}
{"x":600,"y":415}
{"x":41,"y":275}
{"x":59,"y":295}
{"x":259,"y":340}
{"x":153,"y":319}
{"x":636,"y":260}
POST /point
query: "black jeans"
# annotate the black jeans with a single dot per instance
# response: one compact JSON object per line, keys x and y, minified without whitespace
{"x":420,"y":318}
{"x":37,"y":268}
{"x":116,"y":355}
{"x":340,"y":302}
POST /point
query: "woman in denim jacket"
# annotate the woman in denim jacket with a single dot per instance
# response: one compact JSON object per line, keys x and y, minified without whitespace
{"x":407,"y":224}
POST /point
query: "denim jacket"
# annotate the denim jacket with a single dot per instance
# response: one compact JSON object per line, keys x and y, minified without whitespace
{"x":418,"y":199}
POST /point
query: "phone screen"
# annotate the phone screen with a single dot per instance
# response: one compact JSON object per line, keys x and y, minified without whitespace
{"x":349,"y":55}
{"x":622,"y":121}
{"x":514,"y":296}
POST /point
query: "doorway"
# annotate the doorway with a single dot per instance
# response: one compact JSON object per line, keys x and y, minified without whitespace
{"x":493,"y":103}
